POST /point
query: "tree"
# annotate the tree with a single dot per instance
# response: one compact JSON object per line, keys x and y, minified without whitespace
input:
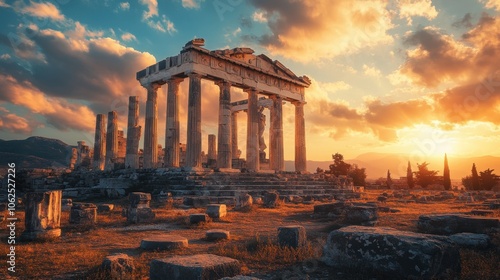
{"x":339,"y":167}
{"x":488,"y":179}
{"x":446,"y":174}
{"x":409,"y":177}
{"x":424,"y":176}
{"x":388,"y":182}
{"x":467,"y":182}
{"x":358,"y":175}
{"x":475,"y":178}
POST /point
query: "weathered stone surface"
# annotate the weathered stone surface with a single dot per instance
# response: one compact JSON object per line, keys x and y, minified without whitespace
{"x":217,"y":234}
{"x":140,"y":215}
{"x":119,"y":267}
{"x":201,"y":202}
{"x":244,"y":202}
{"x":102,"y":208}
{"x":292,"y":236}
{"x":361,"y":215}
{"x":240,"y":277}
{"x":336,"y":208}
{"x":480,"y":212}
{"x":471,"y":240}
{"x":456,"y":223}
{"x":198,"y":218}
{"x":83,"y":214}
{"x":42,"y":215}
{"x":216,"y":211}
{"x":66,"y":204}
{"x":201,"y":267}
{"x":139,"y":199}
{"x":165,"y":200}
{"x":164,"y":242}
{"x":271,"y":199}
{"x":392,"y":253}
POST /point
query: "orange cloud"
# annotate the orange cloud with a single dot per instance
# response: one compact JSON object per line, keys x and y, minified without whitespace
{"x":14,"y":123}
{"x":43,"y":10}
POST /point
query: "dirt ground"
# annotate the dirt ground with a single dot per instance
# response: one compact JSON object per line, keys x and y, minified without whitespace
{"x":79,"y":252}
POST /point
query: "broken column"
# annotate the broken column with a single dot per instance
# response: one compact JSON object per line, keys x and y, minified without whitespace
{"x":276,"y":153}
{"x":100,"y":142}
{"x":83,"y":214}
{"x":172,"y":131}
{"x":212,"y":153}
{"x":224,"y":153}
{"x":133,"y":134}
{"x":111,"y":140}
{"x":139,"y":210}
{"x":42,"y":215}
{"x":253,"y":118}
{"x":300,"y":138}
{"x":234,"y":136}
{"x":193,"y":149}
{"x":151,"y":127}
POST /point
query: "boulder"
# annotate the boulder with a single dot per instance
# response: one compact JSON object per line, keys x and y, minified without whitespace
{"x":217,"y":234}
{"x":336,"y":208}
{"x":119,"y":267}
{"x":244,"y":202}
{"x":201,"y":267}
{"x":198,"y":218}
{"x":164,"y":242}
{"x":271,"y":199}
{"x":216,"y":211}
{"x":83,"y":214}
{"x":456,"y":223}
{"x":292,"y":236}
{"x":471,"y":240}
{"x":391,"y":253}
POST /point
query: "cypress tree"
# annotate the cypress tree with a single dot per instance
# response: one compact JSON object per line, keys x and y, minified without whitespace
{"x":446,"y":174}
{"x":475,"y":178}
{"x":409,"y":177}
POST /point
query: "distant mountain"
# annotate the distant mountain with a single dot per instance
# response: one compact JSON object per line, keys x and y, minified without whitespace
{"x":377,"y":164}
{"x":35,"y":152}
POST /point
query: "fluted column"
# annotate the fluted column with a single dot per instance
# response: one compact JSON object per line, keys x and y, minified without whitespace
{"x":133,"y":134}
{"x":111,"y":140}
{"x":300,"y":138}
{"x":224,"y":153}
{"x":253,"y":118}
{"x":234,"y":135}
{"x":172,"y":131}
{"x":212,"y":152}
{"x":151,"y":127}
{"x":100,"y":142}
{"x":276,"y":153}
{"x":193,"y":149}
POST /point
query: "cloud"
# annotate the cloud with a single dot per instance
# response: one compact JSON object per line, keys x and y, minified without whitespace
{"x":3,"y":4}
{"x":306,"y":30}
{"x":127,"y":36}
{"x":152,"y":8}
{"x":335,"y":86}
{"x":191,"y":4}
{"x":124,"y":6}
{"x":371,"y":71}
{"x":163,"y":25}
{"x":492,"y":4}
{"x":464,"y":22}
{"x":153,"y":20}
{"x":259,"y":16}
{"x":43,"y":10}
{"x":14,"y":123}
{"x":412,"y":8}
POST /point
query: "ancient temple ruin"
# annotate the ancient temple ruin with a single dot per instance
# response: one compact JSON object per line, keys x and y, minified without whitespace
{"x":239,"y":67}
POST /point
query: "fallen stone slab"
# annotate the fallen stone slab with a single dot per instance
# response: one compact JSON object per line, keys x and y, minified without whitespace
{"x":140,"y":215}
{"x":481,"y":212}
{"x":336,"y":208}
{"x":361,"y":215}
{"x":471,"y":240}
{"x":456,"y":223}
{"x":83,"y":214}
{"x":392,"y":253}
{"x":118,"y":267}
{"x":216,"y":211}
{"x":164,"y":242}
{"x":292,"y":236}
{"x":217,"y":234}
{"x":200,"y":267}
{"x":198,"y":218}
{"x":104,"y":208}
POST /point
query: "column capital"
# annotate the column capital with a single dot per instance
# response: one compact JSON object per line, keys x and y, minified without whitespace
{"x":174,"y":81}
{"x":275,"y":97}
{"x":250,"y":90}
{"x":299,"y":103}
{"x":223,"y":83}
{"x":152,"y":86}
{"x":192,"y":74}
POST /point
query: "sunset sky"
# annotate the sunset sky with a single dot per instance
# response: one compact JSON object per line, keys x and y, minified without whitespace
{"x":416,"y":77}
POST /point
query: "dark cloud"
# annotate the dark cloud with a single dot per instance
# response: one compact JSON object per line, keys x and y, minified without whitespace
{"x":465,"y":22}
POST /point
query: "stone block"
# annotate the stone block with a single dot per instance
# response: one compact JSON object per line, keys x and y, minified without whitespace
{"x":118,"y":267}
{"x":217,"y":234}
{"x":66,"y":204}
{"x":244,"y":202}
{"x":42,"y":215}
{"x":392,"y":254}
{"x":336,"y":208}
{"x":140,"y":215}
{"x":198,"y":218}
{"x":83,"y":214}
{"x":201,"y":202}
{"x":271,"y":199}
{"x":164,"y":242}
{"x":292,"y":236}
{"x":139,"y":199}
{"x":216,"y":211}
{"x":201,"y":267}
{"x":471,"y":240}
{"x":361,"y":215}
{"x":456,"y":223}
{"x":104,"y":208}
{"x":240,"y":277}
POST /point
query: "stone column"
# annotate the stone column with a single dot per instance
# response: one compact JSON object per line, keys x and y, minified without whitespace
{"x":151,"y":128}
{"x":253,"y":119}
{"x":100,"y":142}
{"x":300,"y":138}
{"x":111,"y":140}
{"x":193,"y":149}
{"x":133,"y":134}
{"x":212,"y":153}
{"x":42,"y":215}
{"x":234,"y":135}
{"x":224,"y":153}
{"x":172,"y":131}
{"x":276,"y":152}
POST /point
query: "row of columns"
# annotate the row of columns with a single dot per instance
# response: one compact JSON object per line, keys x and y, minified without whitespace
{"x":227,"y":136}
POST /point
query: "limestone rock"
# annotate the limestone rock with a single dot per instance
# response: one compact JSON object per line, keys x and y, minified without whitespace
{"x":119,"y":267}
{"x":83,"y":214}
{"x":164,"y":242}
{"x":216,"y":211}
{"x":217,"y":234}
{"x":271,"y":199}
{"x":244,"y":202}
{"x":471,"y":240}
{"x":292,"y":236}
{"x":201,"y":267}
{"x":392,"y":253}
{"x":456,"y":223}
